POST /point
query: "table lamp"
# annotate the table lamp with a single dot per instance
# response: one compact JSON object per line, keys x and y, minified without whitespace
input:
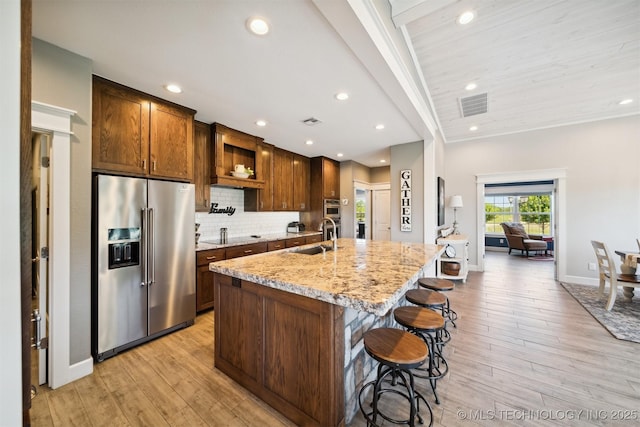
{"x":455,"y":202}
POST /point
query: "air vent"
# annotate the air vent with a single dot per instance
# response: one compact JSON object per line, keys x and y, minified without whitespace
{"x":311,"y":121}
{"x":472,"y":105}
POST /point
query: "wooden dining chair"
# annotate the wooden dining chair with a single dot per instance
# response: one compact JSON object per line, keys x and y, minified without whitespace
{"x":638,"y":242}
{"x":608,"y":273}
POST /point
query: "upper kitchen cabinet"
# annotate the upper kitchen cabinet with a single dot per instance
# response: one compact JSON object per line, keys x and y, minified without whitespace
{"x":232,"y":147}
{"x":256,"y":200}
{"x":282,"y":180}
{"x":301,"y":182}
{"x":135,"y":133}
{"x":291,"y":176}
{"x":201,"y":162}
{"x":325,"y":172}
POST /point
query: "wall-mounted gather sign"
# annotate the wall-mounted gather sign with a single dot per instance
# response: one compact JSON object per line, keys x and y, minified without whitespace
{"x":405,"y":200}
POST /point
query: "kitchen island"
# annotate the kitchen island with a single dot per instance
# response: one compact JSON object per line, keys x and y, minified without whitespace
{"x":289,"y":325}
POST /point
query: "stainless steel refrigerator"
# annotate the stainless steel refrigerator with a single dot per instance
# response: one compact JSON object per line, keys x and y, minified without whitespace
{"x":144,"y":261}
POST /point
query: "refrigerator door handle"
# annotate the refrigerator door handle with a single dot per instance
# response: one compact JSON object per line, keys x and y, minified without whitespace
{"x":143,"y":239}
{"x":151,"y":250}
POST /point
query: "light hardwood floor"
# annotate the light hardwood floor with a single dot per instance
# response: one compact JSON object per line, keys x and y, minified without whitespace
{"x":524,"y":353}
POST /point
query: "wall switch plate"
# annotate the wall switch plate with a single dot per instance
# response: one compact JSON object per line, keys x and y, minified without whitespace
{"x":592,"y":266}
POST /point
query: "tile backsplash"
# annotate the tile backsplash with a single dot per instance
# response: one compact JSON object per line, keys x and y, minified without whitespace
{"x":241,"y":223}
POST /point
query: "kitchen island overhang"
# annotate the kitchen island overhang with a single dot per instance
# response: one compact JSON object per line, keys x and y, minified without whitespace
{"x":288,"y":325}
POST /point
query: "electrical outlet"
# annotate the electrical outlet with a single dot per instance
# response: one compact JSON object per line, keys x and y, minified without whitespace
{"x":592,"y":266}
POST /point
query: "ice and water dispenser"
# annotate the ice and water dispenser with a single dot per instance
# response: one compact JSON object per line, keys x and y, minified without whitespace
{"x":124,"y":247}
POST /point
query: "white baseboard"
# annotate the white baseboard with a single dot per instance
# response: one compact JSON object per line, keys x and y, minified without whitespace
{"x":579,"y":280}
{"x":80,"y":369}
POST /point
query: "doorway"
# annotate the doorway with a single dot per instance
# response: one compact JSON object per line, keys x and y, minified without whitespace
{"x":558,"y":177}
{"x":40,"y":227}
{"x":381,"y":214}
{"x":363,"y":213}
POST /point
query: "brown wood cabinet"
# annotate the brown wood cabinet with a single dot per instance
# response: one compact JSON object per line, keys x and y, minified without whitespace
{"x":261,"y":200}
{"x":282,"y":180}
{"x":291,"y":180}
{"x":232,"y":147}
{"x":325,"y":175}
{"x":137,"y":134}
{"x":295,"y":241}
{"x":204,"y":277}
{"x":245,"y":250}
{"x":276,"y":245}
{"x":316,"y":238}
{"x":285,"y":348}
{"x":325,"y":184}
{"x":201,"y":162}
{"x":301,"y":182}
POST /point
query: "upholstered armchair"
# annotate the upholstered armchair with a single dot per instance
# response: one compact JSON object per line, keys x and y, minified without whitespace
{"x":517,"y":238}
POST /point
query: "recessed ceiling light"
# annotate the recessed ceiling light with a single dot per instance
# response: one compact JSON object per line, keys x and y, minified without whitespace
{"x":340,"y":154}
{"x":383,"y":161}
{"x":173,"y":88}
{"x":472,"y":128}
{"x":466,"y":17}
{"x":626,"y":101}
{"x":261,"y":123}
{"x":258,"y":26}
{"x":309,"y":142}
{"x":380,"y":126}
{"x":471,"y":86}
{"x":342,"y":96}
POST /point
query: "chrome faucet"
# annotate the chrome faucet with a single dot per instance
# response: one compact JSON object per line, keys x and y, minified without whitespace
{"x":334,"y":240}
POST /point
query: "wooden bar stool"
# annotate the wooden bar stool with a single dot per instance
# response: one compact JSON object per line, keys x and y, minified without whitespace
{"x":428,"y":325}
{"x":440,"y":285}
{"x":433,"y":300}
{"x":397,"y":353}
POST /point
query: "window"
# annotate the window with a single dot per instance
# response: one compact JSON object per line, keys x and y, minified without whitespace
{"x":533,"y":210}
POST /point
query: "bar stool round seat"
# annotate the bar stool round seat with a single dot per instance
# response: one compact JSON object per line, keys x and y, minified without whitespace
{"x":430,"y":326}
{"x":427,"y":298}
{"x":440,"y":285}
{"x":397,"y":353}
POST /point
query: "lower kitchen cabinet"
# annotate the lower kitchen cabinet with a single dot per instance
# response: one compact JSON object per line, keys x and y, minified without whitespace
{"x":246,"y":250}
{"x":204,"y":277}
{"x":295,"y":241}
{"x":315,"y":238}
{"x":283,"y":348}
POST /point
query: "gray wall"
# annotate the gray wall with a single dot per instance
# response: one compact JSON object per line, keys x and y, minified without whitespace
{"x":408,"y":156}
{"x":63,"y":79}
{"x":602,"y":160}
{"x":380,"y":174}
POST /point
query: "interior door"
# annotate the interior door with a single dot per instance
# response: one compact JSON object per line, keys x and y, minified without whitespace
{"x":40,"y":276}
{"x":382,"y":215}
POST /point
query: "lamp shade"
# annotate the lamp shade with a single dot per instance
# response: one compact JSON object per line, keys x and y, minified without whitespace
{"x":455,"y":201}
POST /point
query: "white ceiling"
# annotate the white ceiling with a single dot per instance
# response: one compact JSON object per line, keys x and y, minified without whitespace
{"x":542,"y":63}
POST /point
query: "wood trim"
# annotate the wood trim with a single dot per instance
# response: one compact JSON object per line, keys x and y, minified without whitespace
{"x":25,"y":203}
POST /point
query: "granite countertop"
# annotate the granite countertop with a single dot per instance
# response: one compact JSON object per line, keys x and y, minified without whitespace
{"x":204,"y":245}
{"x":366,"y":275}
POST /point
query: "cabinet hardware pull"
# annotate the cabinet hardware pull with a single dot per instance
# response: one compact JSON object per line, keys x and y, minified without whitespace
{"x":211,"y":257}
{"x":144,"y":164}
{"x":248,"y":251}
{"x":154,"y":165}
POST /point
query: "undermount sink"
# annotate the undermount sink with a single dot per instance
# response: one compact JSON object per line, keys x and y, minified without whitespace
{"x":314,"y":250}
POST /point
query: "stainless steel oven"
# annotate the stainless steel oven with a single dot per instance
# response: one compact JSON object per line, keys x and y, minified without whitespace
{"x":332,"y":208}
{"x":328,"y":232}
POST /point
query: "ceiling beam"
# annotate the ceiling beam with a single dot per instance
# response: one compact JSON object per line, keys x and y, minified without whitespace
{"x":382,"y":50}
{"x":405,"y":11}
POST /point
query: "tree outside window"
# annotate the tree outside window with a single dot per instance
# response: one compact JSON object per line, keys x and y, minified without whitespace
{"x":533,"y":211}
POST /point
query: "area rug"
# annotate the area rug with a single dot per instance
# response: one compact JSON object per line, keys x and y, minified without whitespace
{"x":623,"y":321}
